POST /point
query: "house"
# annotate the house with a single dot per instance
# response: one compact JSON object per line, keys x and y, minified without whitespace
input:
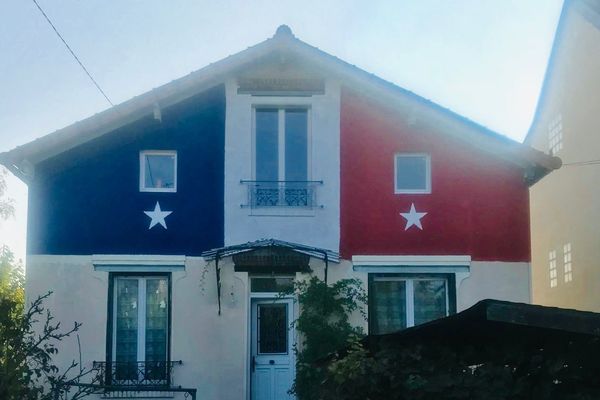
{"x":168,"y":224}
{"x":565,"y":205}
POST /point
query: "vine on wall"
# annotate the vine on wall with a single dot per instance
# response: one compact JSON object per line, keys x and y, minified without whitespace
{"x":324,"y":327}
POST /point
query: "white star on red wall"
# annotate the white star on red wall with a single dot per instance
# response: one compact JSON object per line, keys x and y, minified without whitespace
{"x":413,"y":217}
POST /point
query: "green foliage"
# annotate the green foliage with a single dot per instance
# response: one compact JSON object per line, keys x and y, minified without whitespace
{"x":561,"y":369}
{"x":324,"y":327}
{"x":7,"y":205}
{"x":29,"y":341}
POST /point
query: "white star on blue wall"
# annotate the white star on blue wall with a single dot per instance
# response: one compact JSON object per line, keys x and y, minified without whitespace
{"x":157,"y":216}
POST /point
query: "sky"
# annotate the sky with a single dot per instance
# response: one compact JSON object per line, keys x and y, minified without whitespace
{"x":484,"y":59}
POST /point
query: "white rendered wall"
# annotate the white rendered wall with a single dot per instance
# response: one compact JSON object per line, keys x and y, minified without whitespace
{"x":214,"y":349}
{"x":508,"y":281}
{"x":319,"y":227}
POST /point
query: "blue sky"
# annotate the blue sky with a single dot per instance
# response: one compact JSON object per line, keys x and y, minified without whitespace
{"x":484,"y":59}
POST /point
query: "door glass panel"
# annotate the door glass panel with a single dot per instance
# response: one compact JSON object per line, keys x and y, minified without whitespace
{"x":272,"y":329}
{"x":296,"y":144}
{"x":430,"y":300}
{"x":389,"y":306}
{"x":267,"y":159}
{"x":126,"y":325}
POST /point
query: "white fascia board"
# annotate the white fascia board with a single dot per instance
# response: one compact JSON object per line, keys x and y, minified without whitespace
{"x":142,"y":263}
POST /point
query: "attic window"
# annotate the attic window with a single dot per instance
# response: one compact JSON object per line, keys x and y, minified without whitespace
{"x":555,"y":135}
{"x":552,"y":268}
{"x":567,"y":258}
{"x":412,"y":173}
{"x":158,"y":171}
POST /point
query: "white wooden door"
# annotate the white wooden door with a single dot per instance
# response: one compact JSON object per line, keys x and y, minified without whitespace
{"x":271,"y":363}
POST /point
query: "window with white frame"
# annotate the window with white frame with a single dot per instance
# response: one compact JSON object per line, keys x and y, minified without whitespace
{"x":552,"y":268}
{"x":401,"y":301}
{"x":555,"y":135}
{"x":568,"y":267}
{"x":158,"y":171}
{"x":281,"y":166}
{"x":281,"y":144}
{"x":412,"y":173}
{"x":140,"y":313}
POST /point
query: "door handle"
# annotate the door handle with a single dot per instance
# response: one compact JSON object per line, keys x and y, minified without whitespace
{"x":272,"y":362}
{"x":253,"y":364}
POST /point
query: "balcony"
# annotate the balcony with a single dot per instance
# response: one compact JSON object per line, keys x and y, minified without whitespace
{"x":143,"y":375}
{"x":282,"y":194}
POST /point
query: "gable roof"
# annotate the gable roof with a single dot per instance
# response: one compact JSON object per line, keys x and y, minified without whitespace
{"x":22,"y":160}
{"x":590,"y":10}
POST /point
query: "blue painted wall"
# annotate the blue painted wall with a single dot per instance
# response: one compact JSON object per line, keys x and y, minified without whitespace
{"x":87,"y":200}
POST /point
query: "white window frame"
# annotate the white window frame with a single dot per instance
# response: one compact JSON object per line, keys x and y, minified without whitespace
{"x":281,"y":137}
{"x":552,"y":269}
{"x":143,"y":155}
{"x":410,"y":295}
{"x":555,"y":135}
{"x":568,"y":262}
{"x":141,"y":316}
{"x":427,"y":189}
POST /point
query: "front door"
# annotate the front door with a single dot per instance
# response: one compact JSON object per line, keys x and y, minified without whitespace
{"x":271,"y":363}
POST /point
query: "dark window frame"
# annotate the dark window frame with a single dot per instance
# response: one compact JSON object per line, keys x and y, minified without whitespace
{"x":451,"y":282}
{"x":110,"y":309}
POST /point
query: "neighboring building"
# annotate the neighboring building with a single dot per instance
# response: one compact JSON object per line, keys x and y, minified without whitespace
{"x":168,"y":224}
{"x":565,"y":206}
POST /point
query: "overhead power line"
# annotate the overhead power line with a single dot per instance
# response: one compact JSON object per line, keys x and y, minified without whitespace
{"x":580,"y":163}
{"x":72,"y":52}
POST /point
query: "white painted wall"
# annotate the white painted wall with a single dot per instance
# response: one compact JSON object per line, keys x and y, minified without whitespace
{"x":214,"y":349}
{"x":494,"y":280}
{"x":320,"y":227}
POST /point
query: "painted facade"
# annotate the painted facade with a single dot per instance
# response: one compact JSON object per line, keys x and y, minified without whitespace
{"x":187,"y":273}
{"x":565,"y":204}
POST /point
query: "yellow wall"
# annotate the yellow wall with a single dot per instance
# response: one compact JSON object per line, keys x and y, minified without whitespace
{"x":565,"y":205}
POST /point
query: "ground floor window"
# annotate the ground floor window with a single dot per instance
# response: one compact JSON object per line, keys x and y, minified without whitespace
{"x":140,"y":327}
{"x":401,"y":301}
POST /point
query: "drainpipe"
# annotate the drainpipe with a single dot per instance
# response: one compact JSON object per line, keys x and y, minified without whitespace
{"x":218,"y":272}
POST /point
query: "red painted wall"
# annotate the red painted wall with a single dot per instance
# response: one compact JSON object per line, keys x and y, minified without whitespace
{"x":479,"y":204}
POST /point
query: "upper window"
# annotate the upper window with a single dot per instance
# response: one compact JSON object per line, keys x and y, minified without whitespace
{"x":281,"y":159}
{"x":552,"y":268}
{"x":412,"y":173}
{"x":555,"y":135}
{"x":158,"y":171}
{"x":397,"y":302}
{"x":281,"y":144}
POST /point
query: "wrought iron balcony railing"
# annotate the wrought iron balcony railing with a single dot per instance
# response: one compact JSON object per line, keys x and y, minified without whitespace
{"x":142,"y":374}
{"x":298,"y":194}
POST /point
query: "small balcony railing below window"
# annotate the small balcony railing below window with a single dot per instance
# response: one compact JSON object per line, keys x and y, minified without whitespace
{"x":142,"y":374}
{"x":268,"y":194}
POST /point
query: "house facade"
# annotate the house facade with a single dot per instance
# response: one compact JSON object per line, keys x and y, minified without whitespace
{"x":168,"y":224}
{"x":564,"y":205}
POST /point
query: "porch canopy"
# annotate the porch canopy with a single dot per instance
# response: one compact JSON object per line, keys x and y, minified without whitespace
{"x":227,"y":251}
{"x":269,"y":256}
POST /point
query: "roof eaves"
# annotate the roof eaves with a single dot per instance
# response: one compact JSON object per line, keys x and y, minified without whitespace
{"x":129,"y":111}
